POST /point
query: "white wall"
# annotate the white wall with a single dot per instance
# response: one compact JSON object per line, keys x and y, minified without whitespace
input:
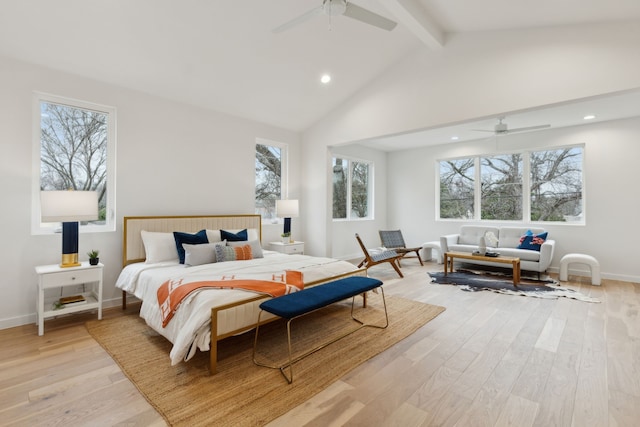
{"x":611,"y":197}
{"x":475,"y":75}
{"x":172,"y":159}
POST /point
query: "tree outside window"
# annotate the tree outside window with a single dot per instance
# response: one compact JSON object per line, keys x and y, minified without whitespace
{"x":554,"y":181}
{"x":457,"y":183}
{"x":73,"y":150}
{"x":340,"y":186}
{"x":556,"y":185}
{"x":501,"y":187}
{"x":270,"y":167}
{"x":352,"y":187}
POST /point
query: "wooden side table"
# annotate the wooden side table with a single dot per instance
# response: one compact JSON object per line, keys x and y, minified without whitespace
{"x":54,"y":276}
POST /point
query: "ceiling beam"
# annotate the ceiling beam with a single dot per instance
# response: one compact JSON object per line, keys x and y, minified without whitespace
{"x":413,"y":16}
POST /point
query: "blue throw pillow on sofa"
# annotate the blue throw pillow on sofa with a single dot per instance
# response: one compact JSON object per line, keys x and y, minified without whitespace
{"x":190,"y":239}
{"x":532,"y":241}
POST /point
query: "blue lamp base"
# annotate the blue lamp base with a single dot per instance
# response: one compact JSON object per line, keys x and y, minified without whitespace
{"x":69,"y":245}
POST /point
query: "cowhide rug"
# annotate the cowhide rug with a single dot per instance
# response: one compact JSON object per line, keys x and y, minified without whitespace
{"x":474,"y":281}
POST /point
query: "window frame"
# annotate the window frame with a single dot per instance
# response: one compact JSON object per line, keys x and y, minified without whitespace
{"x":526,"y":186}
{"x":370,"y":188}
{"x":284,"y":175}
{"x":42,"y":228}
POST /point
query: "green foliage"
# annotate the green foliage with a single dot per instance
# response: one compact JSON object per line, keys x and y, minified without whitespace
{"x":93,"y":254}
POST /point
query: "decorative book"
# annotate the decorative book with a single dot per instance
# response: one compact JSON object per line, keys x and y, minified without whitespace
{"x":75,"y":299}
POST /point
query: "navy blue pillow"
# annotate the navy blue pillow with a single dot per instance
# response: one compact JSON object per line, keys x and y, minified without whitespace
{"x":240,"y":236}
{"x":190,"y":239}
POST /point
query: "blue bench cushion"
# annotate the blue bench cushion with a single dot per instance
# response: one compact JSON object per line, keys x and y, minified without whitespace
{"x":309,"y":299}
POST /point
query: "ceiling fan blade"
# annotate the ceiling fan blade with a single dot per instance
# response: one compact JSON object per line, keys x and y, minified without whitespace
{"x":483,"y":130}
{"x":363,"y":15}
{"x":299,"y":20}
{"x":528,"y":128}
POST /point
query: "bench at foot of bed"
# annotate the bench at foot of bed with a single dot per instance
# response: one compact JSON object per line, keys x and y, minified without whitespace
{"x":297,"y":304}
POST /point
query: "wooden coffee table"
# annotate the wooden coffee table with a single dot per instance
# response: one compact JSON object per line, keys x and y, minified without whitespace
{"x":515,"y":262}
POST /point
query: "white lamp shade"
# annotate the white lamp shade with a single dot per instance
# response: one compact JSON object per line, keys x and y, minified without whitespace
{"x":67,"y":206}
{"x":287,"y":208}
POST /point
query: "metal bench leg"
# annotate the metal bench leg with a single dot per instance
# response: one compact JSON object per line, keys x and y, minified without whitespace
{"x":293,"y":360}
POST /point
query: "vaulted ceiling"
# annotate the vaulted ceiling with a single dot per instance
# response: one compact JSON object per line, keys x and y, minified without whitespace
{"x":223,"y":55}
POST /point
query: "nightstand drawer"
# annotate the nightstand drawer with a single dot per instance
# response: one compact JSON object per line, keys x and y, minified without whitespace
{"x":70,"y":277}
{"x":288,"y":248}
{"x":293,"y":249}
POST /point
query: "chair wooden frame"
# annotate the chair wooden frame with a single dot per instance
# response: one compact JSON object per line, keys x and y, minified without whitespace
{"x":390,"y":256}
{"x":392,"y":239}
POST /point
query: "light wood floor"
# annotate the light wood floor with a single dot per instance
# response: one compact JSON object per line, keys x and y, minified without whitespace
{"x":488,"y":360}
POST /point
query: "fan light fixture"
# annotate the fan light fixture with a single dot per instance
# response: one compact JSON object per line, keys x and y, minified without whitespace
{"x":333,"y":8}
{"x":326,"y":78}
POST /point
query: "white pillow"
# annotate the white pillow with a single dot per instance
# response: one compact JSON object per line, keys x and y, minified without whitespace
{"x":204,"y":253}
{"x":256,"y":249}
{"x":159,"y":247}
{"x":252,"y":234}
{"x":213,"y":236}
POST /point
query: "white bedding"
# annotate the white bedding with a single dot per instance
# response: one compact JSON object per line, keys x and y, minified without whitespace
{"x":190,"y":327}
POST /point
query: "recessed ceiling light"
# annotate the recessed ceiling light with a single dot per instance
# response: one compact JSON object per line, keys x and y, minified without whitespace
{"x":589,"y":117}
{"x":326,"y":78}
{"x":455,"y":138}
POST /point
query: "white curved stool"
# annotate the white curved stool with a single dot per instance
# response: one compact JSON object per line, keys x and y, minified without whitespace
{"x":432,"y":246}
{"x":580,"y":259}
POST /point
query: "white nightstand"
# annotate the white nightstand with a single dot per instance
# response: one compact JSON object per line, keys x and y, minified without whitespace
{"x":287,"y":248}
{"x":53,"y":276}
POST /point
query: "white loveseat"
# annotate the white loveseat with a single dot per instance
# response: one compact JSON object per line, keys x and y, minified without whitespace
{"x":508,"y":240}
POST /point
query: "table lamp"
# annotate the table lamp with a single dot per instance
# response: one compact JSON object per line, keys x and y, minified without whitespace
{"x":287,"y":209}
{"x":69,"y":207}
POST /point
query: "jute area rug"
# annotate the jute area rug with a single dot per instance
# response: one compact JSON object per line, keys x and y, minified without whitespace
{"x":241,"y":393}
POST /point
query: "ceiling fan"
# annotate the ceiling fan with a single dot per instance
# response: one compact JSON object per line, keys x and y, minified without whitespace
{"x":341,"y":7}
{"x":502,"y":129}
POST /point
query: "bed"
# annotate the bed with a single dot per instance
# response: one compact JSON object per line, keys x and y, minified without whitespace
{"x":207,"y":316}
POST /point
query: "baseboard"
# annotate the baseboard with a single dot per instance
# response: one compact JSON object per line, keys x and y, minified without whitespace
{"x":604,"y":275}
{"x":31,"y":318}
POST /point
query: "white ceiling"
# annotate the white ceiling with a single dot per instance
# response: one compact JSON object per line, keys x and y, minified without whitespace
{"x":223,"y":55}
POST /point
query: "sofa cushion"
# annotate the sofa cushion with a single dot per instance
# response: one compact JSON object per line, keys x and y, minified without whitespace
{"x":531,"y":241}
{"x":510,"y":236}
{"x":523,"y":254}
{"x":471,"y":234}
{"x":463,"y":248}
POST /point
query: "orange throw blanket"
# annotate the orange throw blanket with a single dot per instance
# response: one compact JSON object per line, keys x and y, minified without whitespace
{"x":172,"y":292}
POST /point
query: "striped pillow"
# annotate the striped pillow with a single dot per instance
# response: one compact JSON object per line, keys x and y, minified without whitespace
{"x":233,"y":253}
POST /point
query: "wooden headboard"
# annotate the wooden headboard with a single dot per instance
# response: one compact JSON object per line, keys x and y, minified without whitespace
{"x":133,"y":248}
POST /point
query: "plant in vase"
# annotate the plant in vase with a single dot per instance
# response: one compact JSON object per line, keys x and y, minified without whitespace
{"x":286,"y":238}
{"x":93,"y":257}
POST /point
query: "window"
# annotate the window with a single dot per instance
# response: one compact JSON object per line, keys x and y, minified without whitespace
{"x":271,"y":177}
{"x":556,"y":185}
{"x":495,"y":186}
{"x":457,"y":183}
{"x":501,"y":187}
{"x":74,"y":149}
{"x":352,"y":189}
